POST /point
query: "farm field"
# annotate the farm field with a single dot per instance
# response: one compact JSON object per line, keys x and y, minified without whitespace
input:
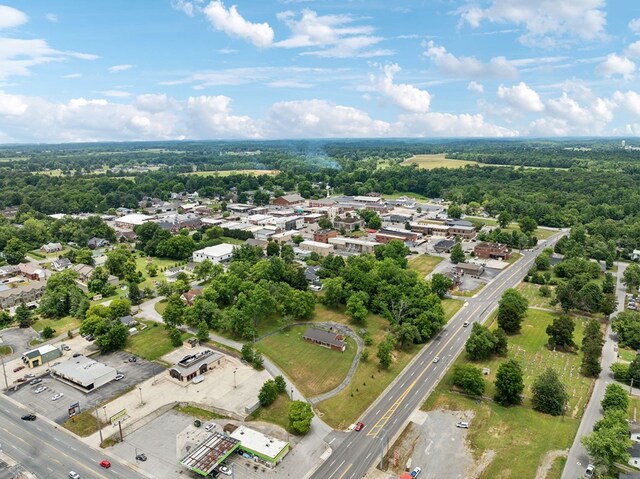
{"x":232,"y":172}
{"x":429,"y":162}
{"x":531,"y":434}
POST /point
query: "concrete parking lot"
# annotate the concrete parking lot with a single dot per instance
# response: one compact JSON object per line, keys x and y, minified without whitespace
{"x":58,"y":410}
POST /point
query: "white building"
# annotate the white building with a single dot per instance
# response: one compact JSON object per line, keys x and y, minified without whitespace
{"x":217,"y":254}
{"x":323,"y":249}
{"x":130,"y":221}
{"x":85,"y":372}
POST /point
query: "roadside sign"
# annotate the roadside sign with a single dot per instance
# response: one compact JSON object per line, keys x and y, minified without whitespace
{"x":74,"y":409}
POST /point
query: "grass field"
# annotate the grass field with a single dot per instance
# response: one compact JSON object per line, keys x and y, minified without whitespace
{"x":395,"y":196}
{"x":429,"y":162}
{"x":83,"y":424}
{"x":160,"y":263}
{"x":312,"y":368}
{"x":232,"y":172}
{"x":152,"y":343}
{"x":424,"y":264}
{"x":530,"y":434}
{"x":276,"y":413}
{"x":451,"y":307}
{"x":61,"y":325}
{"x":532,"y":293}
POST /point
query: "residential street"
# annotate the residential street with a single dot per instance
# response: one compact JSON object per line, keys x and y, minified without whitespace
{"x":578,"y":459}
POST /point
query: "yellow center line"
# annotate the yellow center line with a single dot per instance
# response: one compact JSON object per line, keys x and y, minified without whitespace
{"x":345,"y":471}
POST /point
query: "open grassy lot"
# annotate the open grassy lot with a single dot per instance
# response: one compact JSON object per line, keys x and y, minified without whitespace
{"x":626,"y":354}
{"x":62,"y":325}
{"x":532,"y":293}
{"x":84,"y":424}
{"x":312,"y":368}
{"x":232,"y":172}
{"x":276,"y":413}
{"x":152,"y":343}
{"x":519,"y":432}
{"x":424,"y":264}
{"x":429,"y":162}
{"x":451,"y":307}
{"x":160,"y":264}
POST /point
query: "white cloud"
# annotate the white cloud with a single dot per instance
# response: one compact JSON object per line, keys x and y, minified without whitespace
{"x":521,"y":97}
{"x":617,"y":65}
{"x":448,"y":125}
{"x":544,"y":21}
{"x":52,"y":17}
{"x":569,"y":109}
{"x":72,"y":75}
{"x":12,"y":105}
{"x":549,"y":127}
{"x":469,"y":67}
{"x":226,"y":51}
{"x":233,"y":24}
{"x":406,"y":96}
{"x":210,"y":116}
{"x":11,"y":17}
{"x":475,"y":86}
{"x":119,"y":68}
{"x":183,"y":6}
{"x":289,"y":84}
{"x":634,"y":25}
{"x":633,"y":50}
{"x":629,"y":100}
{"x":115,"y":93}
{"x":321,"y":119}
{"x":17,"y":56}
{"x":333,"y":36}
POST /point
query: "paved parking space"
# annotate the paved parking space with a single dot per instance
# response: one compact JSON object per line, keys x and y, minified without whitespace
{"x":58,"y":410}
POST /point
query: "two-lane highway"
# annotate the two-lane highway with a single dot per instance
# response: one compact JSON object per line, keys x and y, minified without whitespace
{"x":50,"y":453}
{"x":360,"y":450}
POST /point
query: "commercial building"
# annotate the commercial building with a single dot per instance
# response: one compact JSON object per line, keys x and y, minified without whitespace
{"x":470,"y":269}
{"x":492,"y":250}
{"x":133,"y":220}
{"x":208,"y":455}
{"x":288,"y":200}
{"x":384,"y":235}
{"x":323,"y":236}
{"x":217,"y":254}
{"x":353,"y":245}
{"x":22,"y":295}
{"x":42,"y":355}
{"x":430,"y":229}
{"x":193,"y":365}
{"x":349,"y":223}
{"x":84,"y":372}
{"x":323,"y":249}
{"x":261,"y":448}
{"x":326,"y":339}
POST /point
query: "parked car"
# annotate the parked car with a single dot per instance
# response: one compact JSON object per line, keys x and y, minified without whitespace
{"x":56,"y":396}
{"x":463,"y":424}
{"x":590,"y":470}
{"x":224,"y":470}
{"x":28,"y":417}
{"x":75,"y":355}
{"x":29,"y":376}
{"x":19,"y":368}
{"x":133,"y":359}
{"x":141,"y":457}
{"x":21,"y":380}
{"x":35,"y":381}
{"x":119,"y":376}
{"x":359,"y":426}
{"x":74,"y":475}
{"x":106,"y":464}
{"x":39,"y":389}
{"x":64,"y":347}
{"x":209,"y":427}
{"x":90,"y":338}
{"x":416,"y":472}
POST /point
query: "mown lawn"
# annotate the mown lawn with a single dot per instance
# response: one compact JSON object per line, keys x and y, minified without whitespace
{"x":424,"y":264}
{"x":451,"y":307}
{"x":152,"y":343}
{"x":62,"y":325}
{"x":532,"y":293}
{"x":312,"y":368}
{"x":520,"y":432}
{"x":84,"y":424}
{"x":231,"y":172}
{"x":429,"y":162}
{"x":160,"y":263}
{"x":276,"y":413}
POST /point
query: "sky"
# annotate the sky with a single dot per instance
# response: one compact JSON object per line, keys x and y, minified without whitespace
{"x":125,"y":70}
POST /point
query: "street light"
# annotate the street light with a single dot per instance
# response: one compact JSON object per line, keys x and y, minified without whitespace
{"x":234,"y":377}
{"x":140,"y":389}
{"x":104,"y":408}
{"x":292,"y":393}
{"x":382,"y":440}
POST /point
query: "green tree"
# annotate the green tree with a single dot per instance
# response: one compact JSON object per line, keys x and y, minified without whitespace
{"x":176,"y":247}
{"x":384,"y":353}
{"x":502,"y":344}
{"x":631,"y":276}
{"x":512,"y":310}
{"x":528,"y":225}
{"x":634,"y":370}
{"x":300,"y":417}
{"x":5,"y":319}
{"x":175,"y":336}
{"x":203,"y":332}
{"x":440,"y":284}
{"x":469,"y":379}
{"x":273,"y":248}
{"x":615,"y":397}
{"x":481,"y":343}
{"x":608,"y":444}
{"x":84,"y":256}
{"x":333,"y":292}
{"x":134,"y":293}
{"x":549,"y":394}
{"x":356,"y":306}
{"x":114,"y":338}
{"x":204,"y":270}
{"x":406,"y":334}
{"x":457,"y":254}
{"x":454,"y":211}
{"x":504,"y":218}
{"x":48,"y":332}
{"x":268,"y":393}
{"x":173,"y":314}
{"x":15,"y":251}
{"x":281,"y":384}
{"x":117,"y":260}
{"x":509,"y":383}
{"x":560,"y":333}
{"x":609,"y":284}
{"x":299,"y":304}
{"x":119,"y":307}
{"x":543,"y":262}
{"x":23,"y":316}
{"x":325,"y":223}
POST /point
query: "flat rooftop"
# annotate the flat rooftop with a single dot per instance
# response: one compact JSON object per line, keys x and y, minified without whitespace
{"x":82,"y":370}
{"x":259,"y":443}
{"x":208,"y":455}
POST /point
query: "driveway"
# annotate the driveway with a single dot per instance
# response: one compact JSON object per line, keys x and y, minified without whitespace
{"x":18,"y":339}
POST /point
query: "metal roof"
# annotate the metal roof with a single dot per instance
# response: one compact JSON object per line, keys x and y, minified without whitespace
{"x":208,"y":455}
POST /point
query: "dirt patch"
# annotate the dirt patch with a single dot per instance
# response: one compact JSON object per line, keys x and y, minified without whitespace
{"x":547,"y":462}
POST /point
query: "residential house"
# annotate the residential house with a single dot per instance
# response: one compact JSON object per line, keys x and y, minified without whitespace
{"x":84,"y":273}
{"x":51,"y":247}
{"x":288,"y":200}
{"x":33,"y":271}
{"x":634,"y":455}
{"x":326,"y":339}
{"x":27,"y":294}
{"x":311,"y":275}
{"x":126,"y":236}
{"x":492,"y":250}
{"x":257,"y":242}
{"x":128,"y":321}
{"x":349,"y":223}
{"x":323,"y":236}
{"x":95,"y":243}
{"x":472,"y":269}
{"x":61,"y":264}
{"x":190,"y":296}
{"x":9,"y":271}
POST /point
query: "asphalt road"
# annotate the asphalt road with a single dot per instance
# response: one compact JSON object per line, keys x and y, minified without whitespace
{"x":578,"y":459}
{"x":358,"y":451}
{"x":50,"y":453}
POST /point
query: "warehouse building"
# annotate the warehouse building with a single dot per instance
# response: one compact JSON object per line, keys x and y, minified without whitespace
{"x":42,"y":355}
{"x":216,"y":254}
{"x":84,"y":372}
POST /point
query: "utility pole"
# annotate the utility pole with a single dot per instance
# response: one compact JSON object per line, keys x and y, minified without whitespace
{"x":631,"y":387}
{"x":382,"y":439}
{"x":4,"y":371}
{"x":99,"y":426}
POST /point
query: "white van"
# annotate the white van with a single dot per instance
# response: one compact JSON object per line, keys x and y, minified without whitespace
{"x":198,"y":379}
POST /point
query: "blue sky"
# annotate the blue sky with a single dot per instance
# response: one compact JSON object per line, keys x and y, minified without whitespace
{"x":203,"y":69}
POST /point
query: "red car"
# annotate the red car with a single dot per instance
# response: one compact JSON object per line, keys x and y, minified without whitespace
{"x":19,"y":368}
{"x":359,"y":426}
{"x":106,"y":464}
